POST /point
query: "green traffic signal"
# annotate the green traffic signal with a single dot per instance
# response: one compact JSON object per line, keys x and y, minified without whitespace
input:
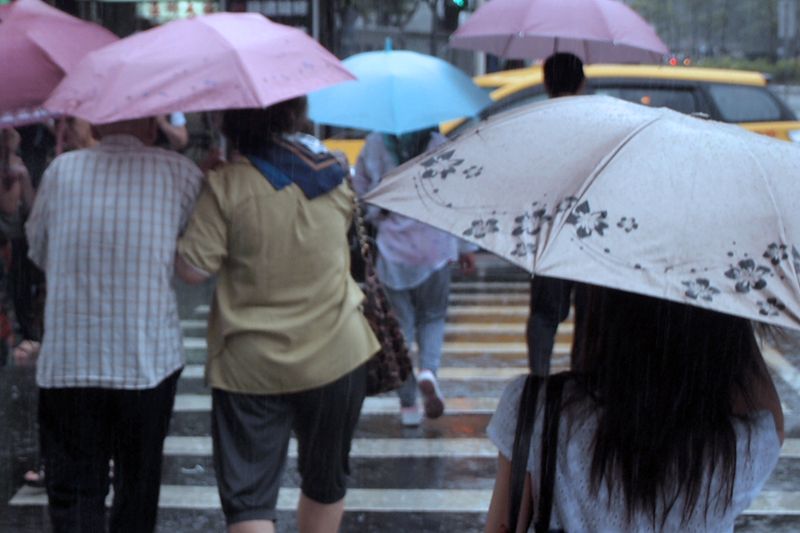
{"x":459,"y":3}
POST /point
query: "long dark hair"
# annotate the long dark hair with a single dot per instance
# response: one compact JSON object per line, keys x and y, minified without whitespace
{"x":251,"y":130}
{"x":665,"y":377}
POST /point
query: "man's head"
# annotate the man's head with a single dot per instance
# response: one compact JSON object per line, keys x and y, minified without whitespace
{"x":563,"y":74}
{"x":144,"y":129}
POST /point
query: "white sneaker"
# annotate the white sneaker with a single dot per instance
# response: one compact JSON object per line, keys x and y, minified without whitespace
{"x":410,"y":416}
{"x":431,"y":395}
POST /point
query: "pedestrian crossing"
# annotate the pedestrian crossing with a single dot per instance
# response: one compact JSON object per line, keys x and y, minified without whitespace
{"x":436,"y":477}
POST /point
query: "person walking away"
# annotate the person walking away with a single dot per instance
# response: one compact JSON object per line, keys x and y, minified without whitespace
{"x":673,"y":424}
{"x":413,"y":265}
{"x":287,"y":343}
{"x":104,"y":228}
{"x":551,"y":297}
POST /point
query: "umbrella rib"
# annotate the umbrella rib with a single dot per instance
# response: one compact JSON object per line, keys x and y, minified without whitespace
{"x":593,"y":177}
{"x":763,"y":175}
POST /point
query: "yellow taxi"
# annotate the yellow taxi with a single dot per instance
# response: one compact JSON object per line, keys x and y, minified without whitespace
{"x":735,"y":96}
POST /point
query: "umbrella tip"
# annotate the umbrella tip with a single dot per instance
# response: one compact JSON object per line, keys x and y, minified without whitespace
{"x":388,"y":44}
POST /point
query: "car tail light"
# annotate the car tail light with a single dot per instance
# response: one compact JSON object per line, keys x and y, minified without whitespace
{"x":794,"y":135}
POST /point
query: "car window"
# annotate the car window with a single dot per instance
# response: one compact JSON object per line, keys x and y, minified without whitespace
{"x":524,"y":97}
{"x":677,"y":98}
{"x":737,"y":103}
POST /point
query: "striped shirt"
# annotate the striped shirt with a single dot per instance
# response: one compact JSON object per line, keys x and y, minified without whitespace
{"x":104,"y":228}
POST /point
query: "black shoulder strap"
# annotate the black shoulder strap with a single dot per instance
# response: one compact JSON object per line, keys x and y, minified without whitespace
{"x":522,"y":445}
{"x":555,"y":387}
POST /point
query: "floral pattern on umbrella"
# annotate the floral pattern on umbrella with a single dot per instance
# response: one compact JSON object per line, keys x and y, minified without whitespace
{"x":524,"y":249}
{"x":441,"y":165}
{"x":748,"y":275}
{"x":480,"y":228}
{"x":770,"y":307}
{"x":701,"y":289}
{"x":531,"y":222}
{"x":472,"y":171}
{"x":629,"y":224}
{"x":587,"y":221}
{"x":776,"y":253}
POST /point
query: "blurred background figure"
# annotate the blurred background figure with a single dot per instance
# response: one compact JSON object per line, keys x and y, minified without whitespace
{"x":413,"y":265}
{"x":172,"y":132}
{"x":551,"y":297}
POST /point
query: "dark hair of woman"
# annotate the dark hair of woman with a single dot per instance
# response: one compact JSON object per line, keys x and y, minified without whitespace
{"x":251,"y":130}
{"x":5,"y":159}
{"x":667,"y":380}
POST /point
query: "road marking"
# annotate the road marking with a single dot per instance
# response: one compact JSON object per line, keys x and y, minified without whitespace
{"x":776,"y":503}
{"x":401,"y":447}
{"x":362,"y":448}
{"x":461,"y":328}
{"x":466,"y":373}
{"x":471,"y":310}
{"x":380,"y":405}
{"x":783,"y":368}
{"x":491,"y":285}
{"x":449,"y":348}
{"x":464,"y":298}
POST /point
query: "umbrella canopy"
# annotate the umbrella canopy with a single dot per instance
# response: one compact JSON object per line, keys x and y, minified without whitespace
{"x":604,"y":191}
{"x":219,"y":61}
{"x":397,"y":92}
{"x":38,"y":43}
{"x":597,"y":31}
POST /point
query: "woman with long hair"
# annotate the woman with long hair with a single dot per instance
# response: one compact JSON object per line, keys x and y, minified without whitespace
{"x":287,"y":341}
{"x":673,"y":424}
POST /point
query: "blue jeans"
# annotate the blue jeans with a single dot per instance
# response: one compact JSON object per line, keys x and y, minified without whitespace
{"x":422,"y":311}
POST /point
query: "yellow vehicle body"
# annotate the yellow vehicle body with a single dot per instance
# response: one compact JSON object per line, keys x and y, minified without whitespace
{"x":693,"y":84}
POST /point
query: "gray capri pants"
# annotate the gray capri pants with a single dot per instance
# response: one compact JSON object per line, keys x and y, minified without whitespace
{"x":251,"y":440}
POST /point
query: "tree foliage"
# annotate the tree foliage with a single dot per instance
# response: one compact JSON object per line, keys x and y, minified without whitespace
{"x":702,"y":28}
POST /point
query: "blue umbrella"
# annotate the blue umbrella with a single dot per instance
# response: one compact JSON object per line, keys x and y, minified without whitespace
{"x":397,"y":92}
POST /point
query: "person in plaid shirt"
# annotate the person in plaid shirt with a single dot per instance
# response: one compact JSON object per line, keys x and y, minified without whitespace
{"x":104,"y":228}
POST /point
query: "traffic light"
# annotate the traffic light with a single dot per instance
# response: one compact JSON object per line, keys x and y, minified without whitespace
{"x":451,"y":10}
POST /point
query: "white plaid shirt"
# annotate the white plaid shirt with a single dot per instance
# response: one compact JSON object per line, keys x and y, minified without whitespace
{"x":104,"y":228}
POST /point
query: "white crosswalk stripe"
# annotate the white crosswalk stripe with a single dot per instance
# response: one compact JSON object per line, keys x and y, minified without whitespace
{"x":392,"y":500}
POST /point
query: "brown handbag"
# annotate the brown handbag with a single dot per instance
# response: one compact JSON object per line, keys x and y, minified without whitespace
{"x":391,"y":366}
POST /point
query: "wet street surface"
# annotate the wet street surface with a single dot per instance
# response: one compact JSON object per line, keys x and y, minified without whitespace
{"x":437,"y":477}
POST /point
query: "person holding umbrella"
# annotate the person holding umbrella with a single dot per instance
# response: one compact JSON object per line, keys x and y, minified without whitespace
{"x":287,"y":341}
{"x":413,"y":258}
{"x":673,"y":424}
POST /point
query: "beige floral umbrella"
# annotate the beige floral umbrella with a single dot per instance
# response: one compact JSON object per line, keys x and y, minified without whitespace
{"x":600,"y":190}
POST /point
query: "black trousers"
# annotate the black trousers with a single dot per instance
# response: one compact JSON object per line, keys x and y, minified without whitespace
{"x":81,"y":429}
{"x":549,"y":306}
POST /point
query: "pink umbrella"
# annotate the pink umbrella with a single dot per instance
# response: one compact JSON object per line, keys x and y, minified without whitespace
{"x":225,"y":60}
{"x":598,"y":31}
{"x":38,"y":43}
